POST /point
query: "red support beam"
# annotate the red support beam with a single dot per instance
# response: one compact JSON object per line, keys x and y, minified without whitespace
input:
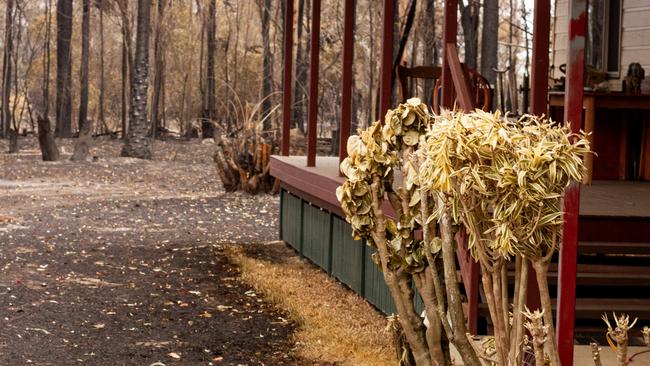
{"x":288,"y":66}
{"x":449,"y":34}
{"x":385,"y":86}
{"x":312,"y":122}
{"x":539,"y":72}
{"x":460,"y":84}
{"x":566,"y":297}
{"x":346,"y":84}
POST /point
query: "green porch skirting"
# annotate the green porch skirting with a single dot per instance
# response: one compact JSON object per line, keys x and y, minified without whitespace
{"x":326,"y":240}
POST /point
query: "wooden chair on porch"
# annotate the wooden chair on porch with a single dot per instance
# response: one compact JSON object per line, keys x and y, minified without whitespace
{"x":479,"y":87}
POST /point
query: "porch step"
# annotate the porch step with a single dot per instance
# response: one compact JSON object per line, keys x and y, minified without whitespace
{"x":614,"y":229}
{"x":591,"y":247}
{"x":594,"y":308}
{"x":603,"y":275}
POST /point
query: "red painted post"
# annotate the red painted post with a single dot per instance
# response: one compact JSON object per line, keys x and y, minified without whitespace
{"x":539,"y":102}
{"x":453,"y":63}
{"x":288,"y":66}
{"x":346,"y":84}
{"x":539,"y":72}
{"x":385,"y":86}
{"x":312,"y":122}
{"x":566,"y":297}
{"x":448,"y":36}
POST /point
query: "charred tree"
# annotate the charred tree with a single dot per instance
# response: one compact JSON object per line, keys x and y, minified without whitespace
{"x":6,"y":69}
{"x":127,"y":61}
{"x":84,"y":142}
{"x":302,"y":66}
{"x":102,"y":77}
{"x":83,"y":71}
{"x":469,"y":15}
{"x":137,"y":143}
{"x":46,"y":62}
{"x":159,"y":67}
{"x":63,"y":68}
{"x":489,"y":40}
{"x":267,"y":63}
{"x":210,"y":99}
{"x":430,"y":52}
{"x":403,"y":37}
{"x":49,"y":151}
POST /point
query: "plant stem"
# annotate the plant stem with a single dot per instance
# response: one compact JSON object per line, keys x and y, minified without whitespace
{"x":500,"y":323}
{"x":541,"y":271}
{"x":412,"y":325}
{"x":470,"y":358}
{"x":518,"y":316}
{"x":434,"y":330}
{"x":438,"y":294}
{"x":595,"y":352}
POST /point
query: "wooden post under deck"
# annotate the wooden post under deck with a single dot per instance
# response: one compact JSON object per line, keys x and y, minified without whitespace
{"x":288,"y":66}
{"x":385,"y":86}
{"x":312,"y":122}
{"x":566,"y":297}
{"x":346,"y":84}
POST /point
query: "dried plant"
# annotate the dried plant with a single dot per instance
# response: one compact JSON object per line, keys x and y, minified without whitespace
{"x":646,"y":336}
{"x":539,"y":332}
{"x":620,"y":335}
{"x":595,"y":352}
{"x":501,"y":180}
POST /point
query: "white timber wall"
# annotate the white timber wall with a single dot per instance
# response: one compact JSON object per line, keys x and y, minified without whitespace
{"x":635,"y":40}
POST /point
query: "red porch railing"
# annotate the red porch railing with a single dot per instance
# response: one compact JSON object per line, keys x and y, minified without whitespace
{"x":455,"y":87}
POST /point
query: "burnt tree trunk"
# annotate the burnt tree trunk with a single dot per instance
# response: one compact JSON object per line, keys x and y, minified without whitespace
{"x":430,"y":53}
{"x":46,"y":61}
{"x":489,"y":40}
{"x":127,"y":62}
{"x":403,"y":38}
{"x":83,"y":75}
{"x":469,"y":20}
{"x":6,"y":70}
{"x":84,"y":142}
{"x":125,"y":88}
{"x":137,"y":143}
{"x":102,"y":78}
{"x":210,"y":100}
{"x":63,"y":68}
{"x":159,"y":67}
{"x":302,"y":66}
{"x":267,"y":64}
{"x":49,"y":151}
{"x":13,"y":141}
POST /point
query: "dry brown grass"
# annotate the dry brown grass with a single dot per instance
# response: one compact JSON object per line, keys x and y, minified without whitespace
{"x":334,"y":324}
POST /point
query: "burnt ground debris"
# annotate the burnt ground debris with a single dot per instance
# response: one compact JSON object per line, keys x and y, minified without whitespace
{"x":118,"y":261}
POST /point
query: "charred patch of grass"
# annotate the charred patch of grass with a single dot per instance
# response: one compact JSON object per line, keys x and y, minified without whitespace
{"x":334,"y":325}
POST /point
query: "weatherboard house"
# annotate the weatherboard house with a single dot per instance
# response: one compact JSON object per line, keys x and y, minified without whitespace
{"x":604,"y":262}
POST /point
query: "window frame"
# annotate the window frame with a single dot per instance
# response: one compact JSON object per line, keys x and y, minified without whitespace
{"x":607,"y":39}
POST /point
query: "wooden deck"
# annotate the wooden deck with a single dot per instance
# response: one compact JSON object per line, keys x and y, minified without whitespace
{"x":613,"y":250}
{"x":601,"y":198}
{"x":615,"y":198}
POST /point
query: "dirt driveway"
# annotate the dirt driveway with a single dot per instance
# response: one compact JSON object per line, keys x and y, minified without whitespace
{"x":118,"y":262}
